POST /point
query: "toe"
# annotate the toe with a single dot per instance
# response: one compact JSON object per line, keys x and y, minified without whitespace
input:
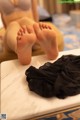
{"x":43,"y":25}
{"x":30,"y":29}
{"x":18,"y":35}
{"x":49,"y":27}
{"x":36,"y":28}
{"x":20,"y":32}
{"x":18,"y":38}
{"x":40,"y":25}
{"x":38,"y":31}
{"x":23,"y":29}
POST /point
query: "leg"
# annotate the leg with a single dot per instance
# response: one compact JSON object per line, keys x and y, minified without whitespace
{"x":47,"y":39}
{"x":12,"y":42}
{"x":12,"y":30}
{"x":25,"y":40}
{"x":26,"y":21}
{"x":11,"y":35}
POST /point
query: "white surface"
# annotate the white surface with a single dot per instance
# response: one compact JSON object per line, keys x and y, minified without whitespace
{"x":16,"y":99}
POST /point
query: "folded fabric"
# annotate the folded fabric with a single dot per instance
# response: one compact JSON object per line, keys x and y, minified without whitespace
{"x":60,"y":79}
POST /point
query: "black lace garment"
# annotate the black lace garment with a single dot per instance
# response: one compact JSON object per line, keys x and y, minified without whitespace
{"x":60,"y":79}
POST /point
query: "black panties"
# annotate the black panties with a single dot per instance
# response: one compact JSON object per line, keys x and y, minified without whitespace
{"x":60,"y":79}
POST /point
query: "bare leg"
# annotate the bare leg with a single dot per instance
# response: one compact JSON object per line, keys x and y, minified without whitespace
{"x":11,"y":35}
{"x":25,"y":40}
{"x":12,"y":30}
{"x":47,"y":38}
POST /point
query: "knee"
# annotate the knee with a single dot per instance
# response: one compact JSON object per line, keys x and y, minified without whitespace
{"x":26,"y":21}
{"x":12,"y":24}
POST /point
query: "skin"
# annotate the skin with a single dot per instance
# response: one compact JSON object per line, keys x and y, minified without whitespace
{"x":22,"y":32}
{"x":43,"y":34}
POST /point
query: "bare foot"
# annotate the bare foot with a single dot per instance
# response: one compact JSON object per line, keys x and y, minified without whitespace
{"x":47,"y":39}
{"x":25,"y":40}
